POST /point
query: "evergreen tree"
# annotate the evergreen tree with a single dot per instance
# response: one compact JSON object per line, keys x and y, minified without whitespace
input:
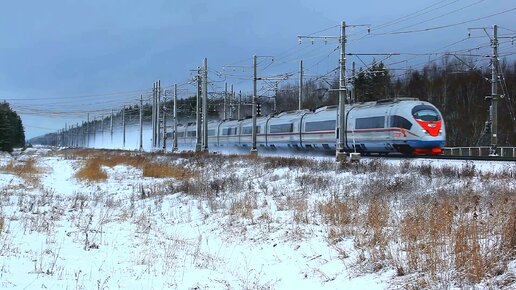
{"x":12,"y":134}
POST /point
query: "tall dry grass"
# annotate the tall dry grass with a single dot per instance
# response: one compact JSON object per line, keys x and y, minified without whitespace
{"x":465,"y":237}
{"x":92,"y":170}
{"x":28,"y":170}
{"x":165,"y":171}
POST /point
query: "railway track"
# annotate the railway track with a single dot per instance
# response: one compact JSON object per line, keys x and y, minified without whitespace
{"x":473,"y":158}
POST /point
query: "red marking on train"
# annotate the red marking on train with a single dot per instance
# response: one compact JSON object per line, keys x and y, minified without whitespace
{"x":432,"y":128}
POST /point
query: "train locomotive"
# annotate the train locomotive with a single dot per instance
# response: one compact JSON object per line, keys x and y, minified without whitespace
{"x":403,"y":125}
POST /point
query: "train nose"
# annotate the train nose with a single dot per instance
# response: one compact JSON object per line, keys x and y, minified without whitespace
{"x":432,"y":128}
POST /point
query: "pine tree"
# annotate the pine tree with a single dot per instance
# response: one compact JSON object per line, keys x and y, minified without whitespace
{"x":12,"y":134}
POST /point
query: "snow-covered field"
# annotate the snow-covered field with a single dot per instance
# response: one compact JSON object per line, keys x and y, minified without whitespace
{"x":190,"y":221}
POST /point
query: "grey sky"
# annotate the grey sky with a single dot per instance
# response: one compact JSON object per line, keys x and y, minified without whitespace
{"x":60,"y":52}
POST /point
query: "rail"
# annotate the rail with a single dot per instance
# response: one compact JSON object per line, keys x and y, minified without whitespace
{"x":479,"y":151}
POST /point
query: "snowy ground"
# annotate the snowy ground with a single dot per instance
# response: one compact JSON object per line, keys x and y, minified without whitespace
{"x":233,"y":224}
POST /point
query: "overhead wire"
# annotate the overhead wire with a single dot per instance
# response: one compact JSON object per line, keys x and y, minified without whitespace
{"x":447,"y":25}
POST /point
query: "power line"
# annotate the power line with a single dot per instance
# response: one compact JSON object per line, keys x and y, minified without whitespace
{"x":442,"y":15}
{"x":445,"y":26}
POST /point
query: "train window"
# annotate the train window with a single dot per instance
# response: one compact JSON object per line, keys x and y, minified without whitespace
{"x":400,"y":122}
{"x":211,"y":132}
{"x":370,"y":123}
{"x":229,"y":131}
{"x":180,"y":134}
{"x":320,"y":126}
{"x":190,"y":134}
{"x":249,"y":130}
{"x":281,"y":128}
{"x":425,"y":113}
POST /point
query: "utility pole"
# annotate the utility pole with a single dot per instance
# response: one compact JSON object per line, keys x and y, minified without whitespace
{"x":341,"y":154}
{"x":102,"y":129}
{"x":164,"y":124}
{"x":493,"y":109}
{"x":254,"y":149}
{"x":231,"y":104}
{"x":77,"y":135}
{"x":123,"y":126}
{"x":205,"y":105}
{"x":153,"y":117}
{"x":174,"y":147}
{"x":141,"y":123}
{"x":354,"y":79}
{"x":224,"y":115}
{"x":198,"y":113}
{"x":239,"y":106}
{"x":300,"y":85}
{"x":111,"y":127}
{"x":494,"y":92}
{"x":88,"y":131}
{"x":158,"y":109}
{"x":94,"y":131}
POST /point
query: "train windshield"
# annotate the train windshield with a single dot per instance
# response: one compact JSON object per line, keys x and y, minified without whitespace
{"x":425,"y":113}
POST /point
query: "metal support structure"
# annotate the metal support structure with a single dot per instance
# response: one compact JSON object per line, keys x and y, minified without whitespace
{"x":239,"y":106}
{"x":123,"y":126}
{"x":340,"y":142}
{"x":141,"y":123}
{"x":94,"y":131}
{"x":111,"y":127}
{"x":354,"y":81}
{"x":300,"y":101}
{"x":205,"y":106}
{"x":153,"y":115}
{"x":76,"y":135}
{"x":340,"y":152}
{"x":224,"y":115}
{"x":254,"y":149}
{"x":494,"y":92}
{"x":164,"y":124}
{"x":231,"y":100}
{"x":102,"y":128}
{"x":158,"y":113}
{"x":198,"y":113}
{"x":88,"y":131}
{"x":174,"y":147}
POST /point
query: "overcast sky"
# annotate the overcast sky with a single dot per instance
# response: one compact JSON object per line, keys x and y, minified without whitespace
{"x":61,"y":59}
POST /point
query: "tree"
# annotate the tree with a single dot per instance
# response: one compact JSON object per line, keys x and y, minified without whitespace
{"x":12,"y":134}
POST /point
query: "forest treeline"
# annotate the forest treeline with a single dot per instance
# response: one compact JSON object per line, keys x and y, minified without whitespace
{"x":12,"y":134}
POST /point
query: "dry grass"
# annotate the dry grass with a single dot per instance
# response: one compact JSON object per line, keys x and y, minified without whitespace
{"x":335,"y":212}
{"x":28,"y":170}
{"x":2,"y":221}
{"x":243,"y":207}
{"x":165,"y":171}
{"x":92,"y":171}
{"x":465,"y":237}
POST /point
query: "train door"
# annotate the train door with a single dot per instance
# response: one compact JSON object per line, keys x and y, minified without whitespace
{"x":350,"y":129}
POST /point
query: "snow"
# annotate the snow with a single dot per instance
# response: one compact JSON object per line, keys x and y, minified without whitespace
{"x":72,"y":234}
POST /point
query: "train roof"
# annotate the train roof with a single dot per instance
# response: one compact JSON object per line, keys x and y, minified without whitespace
{"x":384,"y":102}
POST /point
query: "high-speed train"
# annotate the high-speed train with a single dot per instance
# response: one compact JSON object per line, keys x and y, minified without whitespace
{"x":405,"y":125}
